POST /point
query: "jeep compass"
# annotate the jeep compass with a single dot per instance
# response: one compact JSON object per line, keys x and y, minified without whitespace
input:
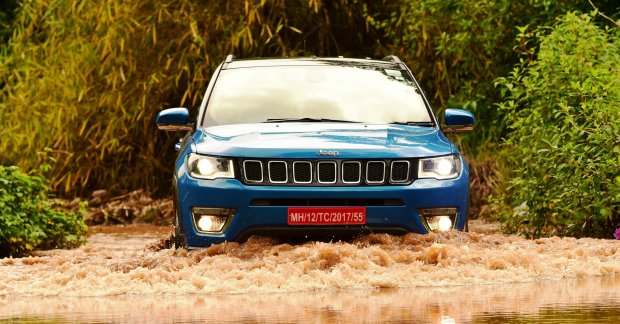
{"x":315,"y":146}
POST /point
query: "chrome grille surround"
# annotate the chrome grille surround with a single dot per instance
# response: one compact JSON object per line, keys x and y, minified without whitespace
{"x":369,"y":165}
{"x":272,"y":172}
{"x":359,"y":175}
{"x":319,"y":172}
{"x":295,"y":173}
{"x":406,"y":178}
{"x":245,"y":174}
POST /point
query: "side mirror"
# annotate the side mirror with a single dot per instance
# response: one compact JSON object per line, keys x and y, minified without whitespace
{"x":458,"y":120}
{"x":173,"y":119}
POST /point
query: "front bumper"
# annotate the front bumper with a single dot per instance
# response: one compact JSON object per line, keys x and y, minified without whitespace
{"x":251,"y":219}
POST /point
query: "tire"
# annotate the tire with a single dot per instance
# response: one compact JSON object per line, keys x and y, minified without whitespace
{"x":179,"y":235}
{"x":466,"y":228}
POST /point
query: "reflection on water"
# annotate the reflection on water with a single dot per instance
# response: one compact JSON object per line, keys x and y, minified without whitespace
{"x":571,"y":300}
{"x":121,"y":276}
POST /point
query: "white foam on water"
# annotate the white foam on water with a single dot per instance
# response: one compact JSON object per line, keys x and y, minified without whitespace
{"x":115,"y":264}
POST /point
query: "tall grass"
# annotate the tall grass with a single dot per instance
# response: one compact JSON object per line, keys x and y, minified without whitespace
{"x":87,"y":78}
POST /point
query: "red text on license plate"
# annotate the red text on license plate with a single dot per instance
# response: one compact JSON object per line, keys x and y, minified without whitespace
{"x":326,"y":215}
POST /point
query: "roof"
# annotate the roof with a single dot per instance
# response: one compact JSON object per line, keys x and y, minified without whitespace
{"x":308,"y":61}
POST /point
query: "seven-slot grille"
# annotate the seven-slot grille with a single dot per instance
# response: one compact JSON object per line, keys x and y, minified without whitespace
{"x":326,"y":172}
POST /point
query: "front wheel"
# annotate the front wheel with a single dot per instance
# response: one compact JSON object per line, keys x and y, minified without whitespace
{"x":179,"y":235}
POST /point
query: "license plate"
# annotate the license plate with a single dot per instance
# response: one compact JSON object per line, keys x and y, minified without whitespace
{"x":326,"y":215}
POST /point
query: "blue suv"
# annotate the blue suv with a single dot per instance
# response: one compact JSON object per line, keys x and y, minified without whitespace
{"x":315,"y":146}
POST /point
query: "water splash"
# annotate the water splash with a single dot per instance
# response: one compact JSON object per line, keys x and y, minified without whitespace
{"x":133,"y":262}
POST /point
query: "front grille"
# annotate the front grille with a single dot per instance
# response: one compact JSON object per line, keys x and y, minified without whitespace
{"x":336,"y":172}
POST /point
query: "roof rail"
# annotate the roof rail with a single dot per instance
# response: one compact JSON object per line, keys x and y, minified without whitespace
{"x":229,"y":58}
{"x":392,"y":58}
{"x":395,"y":59}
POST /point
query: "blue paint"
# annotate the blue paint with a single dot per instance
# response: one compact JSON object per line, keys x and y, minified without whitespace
{"x":173,"y":116}
{"x":458,"y":117}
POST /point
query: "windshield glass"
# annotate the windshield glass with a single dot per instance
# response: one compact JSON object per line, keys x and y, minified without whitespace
{"x":339,"y":93}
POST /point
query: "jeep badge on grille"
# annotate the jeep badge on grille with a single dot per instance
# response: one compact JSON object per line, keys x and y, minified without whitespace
{"x":327,"y":153}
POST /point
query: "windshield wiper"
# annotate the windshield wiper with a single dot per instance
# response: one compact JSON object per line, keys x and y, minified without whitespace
{"x":413,"y":123}
{"x":307,"y":120}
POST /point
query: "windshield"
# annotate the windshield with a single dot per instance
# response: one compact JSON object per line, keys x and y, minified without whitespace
{"x":315,"y":93}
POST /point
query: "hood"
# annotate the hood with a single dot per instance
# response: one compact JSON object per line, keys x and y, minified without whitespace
{"x":304,"y":140}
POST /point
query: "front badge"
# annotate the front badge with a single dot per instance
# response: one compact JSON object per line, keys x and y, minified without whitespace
{"x":327,"y":153}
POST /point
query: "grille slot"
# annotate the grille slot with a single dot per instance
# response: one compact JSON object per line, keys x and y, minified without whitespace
{"x":326,"y":172}
{"x":351,"y":172}
{"x":399,"y":172}
{"x":302,"y":172}
{"x":375,"y":172}
{"x":253,"y":171}
{"x":278,"y":172}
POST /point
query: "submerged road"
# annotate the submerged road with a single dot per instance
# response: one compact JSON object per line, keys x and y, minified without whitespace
{"x":454,"y":274}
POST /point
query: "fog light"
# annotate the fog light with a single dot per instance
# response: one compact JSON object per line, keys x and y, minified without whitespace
{"x":212,"y":220}
{"x":439,"y":219}
{"x":442,"y":223}
{"x":211,"y":223}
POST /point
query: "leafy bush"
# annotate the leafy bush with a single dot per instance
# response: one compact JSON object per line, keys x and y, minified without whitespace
{"x":28,"y":221}
{"x":563,"y":110}
{"x":458,"y":47}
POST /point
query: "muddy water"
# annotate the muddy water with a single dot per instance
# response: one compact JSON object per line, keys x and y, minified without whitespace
{"x":123,"y":275}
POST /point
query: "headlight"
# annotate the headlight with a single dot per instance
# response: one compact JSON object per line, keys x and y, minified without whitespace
{"x":444,"y":167}
{"x":208,"y":167}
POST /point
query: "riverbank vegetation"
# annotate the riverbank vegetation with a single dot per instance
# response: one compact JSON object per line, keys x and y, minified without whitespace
{"x":86,"y":79}
{"x":29,"y":221}
{"x":562,"y":110}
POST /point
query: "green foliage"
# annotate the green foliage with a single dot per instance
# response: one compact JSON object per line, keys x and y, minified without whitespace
{"x":563,"y":110}
{"x":88,"y":77}
{"x":28,"y":221}
{"x":458,"y":47}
